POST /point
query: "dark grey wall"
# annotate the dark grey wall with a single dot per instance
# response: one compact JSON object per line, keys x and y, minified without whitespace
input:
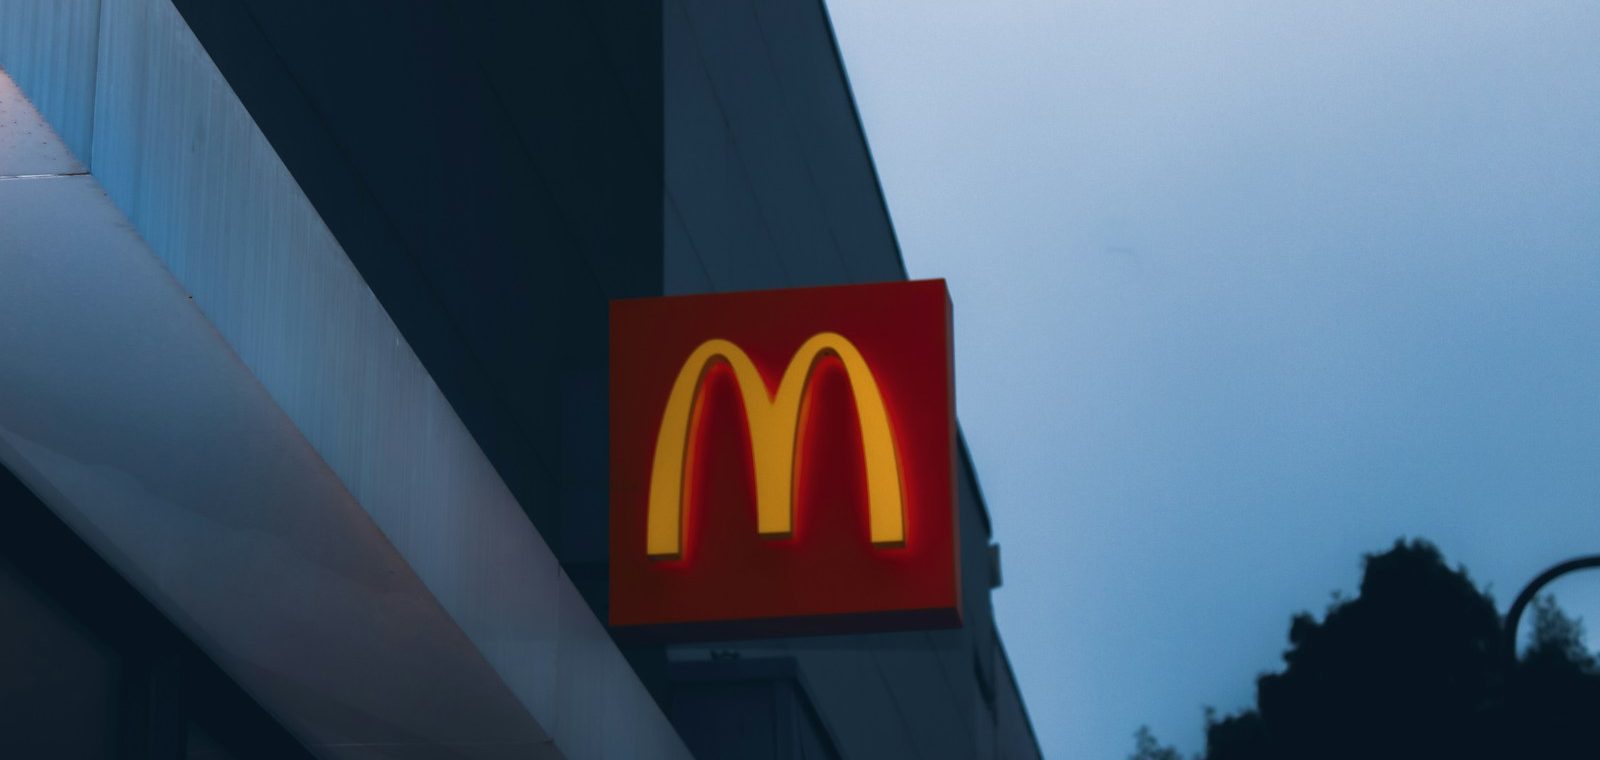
{"x":748,"y":709}
{"x":493,"y":169}
{"x":769,"y":183}
{"x":89,"y":669}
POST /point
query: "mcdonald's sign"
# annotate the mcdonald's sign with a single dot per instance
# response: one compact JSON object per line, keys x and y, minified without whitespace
{"x":782,"y":462}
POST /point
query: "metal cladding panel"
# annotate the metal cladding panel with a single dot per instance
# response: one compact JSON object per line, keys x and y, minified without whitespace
{"x":269,"y":368}
{"x":127,"y":413}
{"x":60,"y":75}
{"x":28,"y":146}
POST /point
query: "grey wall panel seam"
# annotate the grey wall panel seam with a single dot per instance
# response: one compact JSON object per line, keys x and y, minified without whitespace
{"x":536,"y":168}
{"x":805,"y":156}
{"x":760,"y":118}
{"x":543,"y":181}
{"x":972,"y":476}
{"x":54,"y":175}
{"x":908,"y":734}
{"x":861,"y":129}
{"x":611,"y":64}
{"x":1011,"y":675}
{"x":744,"y":170}
{"x":694,"y":248}
{"x":94,"y":81}
{"x":950,"y":687}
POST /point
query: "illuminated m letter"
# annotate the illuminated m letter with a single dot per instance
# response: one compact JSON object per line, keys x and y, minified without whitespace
{"x":774,"y":422}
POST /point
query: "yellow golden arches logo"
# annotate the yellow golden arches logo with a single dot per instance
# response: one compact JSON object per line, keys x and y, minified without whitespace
{"x":774,"y":422}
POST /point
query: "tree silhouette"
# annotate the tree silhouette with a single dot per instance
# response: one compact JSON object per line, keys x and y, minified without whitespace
{"x":1553,"y":703}
{"x":1409,"y":669}
{"x":1145,"y":747}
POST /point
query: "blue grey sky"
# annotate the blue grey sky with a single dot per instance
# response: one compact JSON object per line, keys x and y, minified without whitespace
{"x":1245,"y":290}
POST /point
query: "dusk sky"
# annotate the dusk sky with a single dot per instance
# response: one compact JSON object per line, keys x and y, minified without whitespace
{"x":1243,"y":291}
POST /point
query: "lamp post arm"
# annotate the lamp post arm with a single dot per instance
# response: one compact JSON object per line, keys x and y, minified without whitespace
{"x":1514,"y":615}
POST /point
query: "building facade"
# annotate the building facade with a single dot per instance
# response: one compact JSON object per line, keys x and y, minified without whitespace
{"x":303,"y":378}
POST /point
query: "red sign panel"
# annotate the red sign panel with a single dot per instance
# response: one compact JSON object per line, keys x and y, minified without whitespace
{"x":782,"y":462}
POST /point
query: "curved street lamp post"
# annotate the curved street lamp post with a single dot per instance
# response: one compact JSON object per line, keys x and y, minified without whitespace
{"x":1514,"y":615}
